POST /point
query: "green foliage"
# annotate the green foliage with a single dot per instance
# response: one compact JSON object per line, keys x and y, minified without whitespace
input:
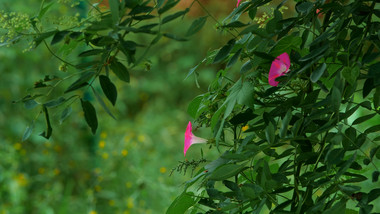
{"x":305,"y":152}
{"x":308,"y":145}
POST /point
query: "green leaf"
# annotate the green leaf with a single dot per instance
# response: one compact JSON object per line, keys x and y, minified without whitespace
{"x":286,"y":44}
{"x":363,"y":119}
{"x":120,"y":71}
{"x":169,"y":4}
{"x":30,"y":104}
{"x":28,"y":132}
{"x":224,"y":51}
{"x":114,"y":7}
{"x":65,"y":113}
{"x":82,"y":81}
{"x":193,"y":107}
{"x":318,"y":73}
{"x":196,"y":25}
{"x":368,"y":86}
{"x":101,"y":102}
{"x":59,"y":36}
{"x":55,"y":103}
{"x":46,"y":134}
{"x":41,"y":37}
{"x":182,"y":203}
{"x":373,"y":194}
{"x":315,"y":53}
{"x":372,"y":129}
{"x":234,"y":24}
{"x":270,"y":133}
{"x":285,"y":123}
{"x":246,"y":67}
{"x":304,"y":7}
{"x":109,"y":89}
{"x":91,"y":52}
{"x":336,"y":98}
{"x":351,"y":74}
{"x":44,"y":10}
{"x":338,"y":208}
{"x":90,"y":115}
{"x":234,"y":58}
{"x":375,"y":176}
{"x":174,"y":37}
{"x":174,"y":16}
{"x":226,"y":171}
{"x":345,"y":166}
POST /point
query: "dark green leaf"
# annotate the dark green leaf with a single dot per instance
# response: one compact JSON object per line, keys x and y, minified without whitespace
{"x":46,"y":134}
{"x":140,"y":9}
{"x":109,"y":89}
{"x":285,"y":123}
{"x":169,"y":4}
{"x":375,"y":176}
{"x":317,"y":73}
{"x":174,"y":16}
{"x":363,"y":119}
{"x":28,"y":132}
{"x":373,"y":194}
{"x":234,"y":24}
{"x":368,"y":86}
{"x":120,"y":70}
{"x":224,"y":51}
{"x":196,"y":25}
{"x":82,"y":81}
{"x":234,"y":58}
{"x":59,"y":36}
{"x":90,"y":115}
{"x":91,"y":52}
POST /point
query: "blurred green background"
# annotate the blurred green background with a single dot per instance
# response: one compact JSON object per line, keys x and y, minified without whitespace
{"x":125,"y":167}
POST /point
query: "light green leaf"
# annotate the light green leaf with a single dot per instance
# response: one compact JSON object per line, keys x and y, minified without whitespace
{"x":182,"y":203}
{"x":226,"y":171}
{"x":114,"y":6}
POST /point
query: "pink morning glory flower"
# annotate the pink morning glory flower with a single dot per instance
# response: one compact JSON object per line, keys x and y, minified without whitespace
{"x":191,"y":139}
{"x":238,"y":2}
{"x":279,"y":67}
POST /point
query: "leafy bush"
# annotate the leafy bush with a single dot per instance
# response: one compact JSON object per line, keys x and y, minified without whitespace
{"x":293,"y":108}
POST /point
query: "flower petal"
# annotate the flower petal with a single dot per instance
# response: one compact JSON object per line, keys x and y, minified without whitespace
{"x":279,"y":67}
{"x":238,"y":2}
{"x":190,"y":139}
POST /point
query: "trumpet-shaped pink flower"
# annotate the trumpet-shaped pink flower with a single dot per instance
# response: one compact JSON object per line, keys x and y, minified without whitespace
{"x":238,"y":2}
{"x":279,"y":67}
{"x":190,"y":138}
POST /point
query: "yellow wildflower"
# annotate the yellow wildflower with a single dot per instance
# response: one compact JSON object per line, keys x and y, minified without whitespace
{"x":162,"y":170}
{"x":102,"y":143}
{"x":124,"y":152}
